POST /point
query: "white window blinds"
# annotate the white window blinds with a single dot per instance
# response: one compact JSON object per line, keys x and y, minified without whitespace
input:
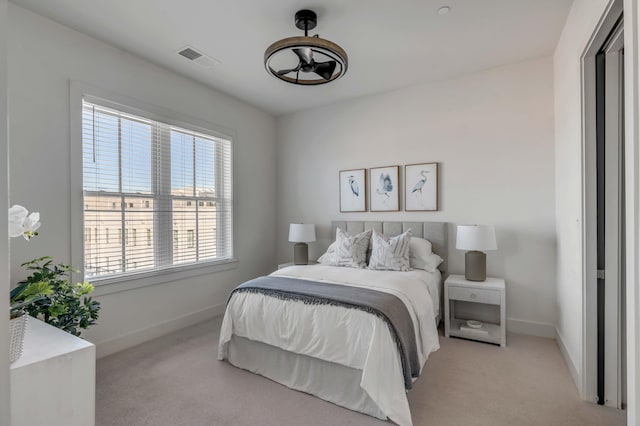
{"x":155,"y":195}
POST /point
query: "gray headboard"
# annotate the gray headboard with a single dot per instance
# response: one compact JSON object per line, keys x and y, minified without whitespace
{"x":436,"y":232}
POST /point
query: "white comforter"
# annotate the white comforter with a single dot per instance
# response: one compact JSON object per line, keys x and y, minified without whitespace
{"x":345,"y":336}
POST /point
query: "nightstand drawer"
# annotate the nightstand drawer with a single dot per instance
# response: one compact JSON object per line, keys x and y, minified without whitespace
{"x":478,"y":295}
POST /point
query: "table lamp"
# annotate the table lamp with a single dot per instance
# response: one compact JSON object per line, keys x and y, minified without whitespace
{"x":301,"y":234}
{"x":476,"y":239}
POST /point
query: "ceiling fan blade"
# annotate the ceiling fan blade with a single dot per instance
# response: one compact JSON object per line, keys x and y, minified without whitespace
{"x":304,"y":53}
{"x":283,"y":72}
{"x":325,"y":69}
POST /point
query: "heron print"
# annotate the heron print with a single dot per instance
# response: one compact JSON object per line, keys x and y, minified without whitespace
{"x":353,"y":197}
{"x":384,"y":189}
{"x":421,"y":186}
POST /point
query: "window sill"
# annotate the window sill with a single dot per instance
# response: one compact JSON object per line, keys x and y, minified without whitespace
{"x":112,"y":285}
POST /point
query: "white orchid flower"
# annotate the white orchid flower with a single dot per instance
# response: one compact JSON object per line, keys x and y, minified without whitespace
{"x":23,"y":223}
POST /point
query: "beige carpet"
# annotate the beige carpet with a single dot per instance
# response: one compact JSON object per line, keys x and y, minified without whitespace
{"x":176,"y":380}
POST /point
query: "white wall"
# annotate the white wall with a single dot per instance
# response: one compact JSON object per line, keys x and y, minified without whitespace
{"x":581,"y":23}
{"x":491,"y":132}
{"x":4,"y":195}
{"x":43,"y":57}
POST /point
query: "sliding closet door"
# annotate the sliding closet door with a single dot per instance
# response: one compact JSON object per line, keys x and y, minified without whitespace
{"x":610,"y":64}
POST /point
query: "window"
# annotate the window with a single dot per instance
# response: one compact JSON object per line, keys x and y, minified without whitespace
{"x":167,"y":180}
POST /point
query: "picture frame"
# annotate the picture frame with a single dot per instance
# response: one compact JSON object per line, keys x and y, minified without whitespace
{"x":384,"y":189}
{"x":421,"y":187}
{"x":353,"y":190}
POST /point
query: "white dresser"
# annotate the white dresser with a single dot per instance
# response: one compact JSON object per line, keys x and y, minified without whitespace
{"x":54,"y":381}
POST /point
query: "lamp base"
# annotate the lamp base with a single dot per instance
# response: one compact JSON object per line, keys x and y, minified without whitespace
{"x":475,"y":266}
{"x":301,"y":254}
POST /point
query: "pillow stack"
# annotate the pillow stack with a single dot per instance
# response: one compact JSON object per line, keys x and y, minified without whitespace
{"x":400,"y":253}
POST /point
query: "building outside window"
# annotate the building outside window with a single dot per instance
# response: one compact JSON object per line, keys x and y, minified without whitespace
{"x":190,"y":193}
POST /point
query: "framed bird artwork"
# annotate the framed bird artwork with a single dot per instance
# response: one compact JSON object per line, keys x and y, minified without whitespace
{"x":353,"y":190}
{"x":384,"y":189}
{"x":421,"y":187}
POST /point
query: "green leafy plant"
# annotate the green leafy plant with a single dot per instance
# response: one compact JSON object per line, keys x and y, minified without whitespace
{"x":25,"y":294}
{"x":65,"y":305}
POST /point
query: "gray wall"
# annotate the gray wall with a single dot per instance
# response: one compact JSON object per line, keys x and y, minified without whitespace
{"x":43,"y":57}
{"x":491,"y":132}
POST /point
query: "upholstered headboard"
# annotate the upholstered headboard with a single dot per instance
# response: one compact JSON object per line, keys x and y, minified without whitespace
{"x":436,"y":232}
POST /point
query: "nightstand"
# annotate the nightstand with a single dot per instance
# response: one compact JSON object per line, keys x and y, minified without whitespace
{"x":284,"y":265}
{"x":490,"y":293}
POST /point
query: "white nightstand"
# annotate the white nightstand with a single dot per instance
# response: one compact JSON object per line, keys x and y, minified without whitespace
{"x":489,"y":292}
{"x":284,"y":265}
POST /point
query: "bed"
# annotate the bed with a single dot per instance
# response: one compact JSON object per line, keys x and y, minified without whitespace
{"x":346,"y":356}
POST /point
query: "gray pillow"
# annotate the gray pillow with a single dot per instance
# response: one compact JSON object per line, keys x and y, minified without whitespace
{"x":390,"y":254}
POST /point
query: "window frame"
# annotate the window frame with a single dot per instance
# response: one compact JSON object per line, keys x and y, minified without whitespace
{"x":106,"y":285}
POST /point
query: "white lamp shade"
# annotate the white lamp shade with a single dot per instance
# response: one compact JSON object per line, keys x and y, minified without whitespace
{"x":476,"y":237}
{"x":302,"y":232}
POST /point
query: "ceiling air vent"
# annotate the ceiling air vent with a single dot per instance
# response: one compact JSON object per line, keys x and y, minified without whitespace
{"x":199,"y":58}
{"x":189,"y":53}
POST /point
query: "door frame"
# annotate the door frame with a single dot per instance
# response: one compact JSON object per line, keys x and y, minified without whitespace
{"x":632,"y":208}
{"x":589,"y":368}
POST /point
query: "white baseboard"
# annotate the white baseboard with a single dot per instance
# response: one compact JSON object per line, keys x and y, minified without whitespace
{"x":137,"y":337}
{"x":531,"y":328}
{"x":571,"y":365}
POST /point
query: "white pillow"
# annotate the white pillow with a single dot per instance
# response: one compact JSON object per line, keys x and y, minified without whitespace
{"x":326,"y":257}
{"x":432,"y":263}
{"x":419,"y":249}
{"x":347,"y":250}
{"x":421,"y":255}
{"x":391,"y":254}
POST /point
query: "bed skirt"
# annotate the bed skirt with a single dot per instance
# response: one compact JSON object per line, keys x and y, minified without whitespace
{"x":326,"y":380}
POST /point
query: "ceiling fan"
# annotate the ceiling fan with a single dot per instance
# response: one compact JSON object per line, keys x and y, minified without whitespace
{"x":307,"y":64}
{"x":316,"y":56}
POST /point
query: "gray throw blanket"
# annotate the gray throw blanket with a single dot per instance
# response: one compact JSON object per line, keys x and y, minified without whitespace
{"x":384,"y":305}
